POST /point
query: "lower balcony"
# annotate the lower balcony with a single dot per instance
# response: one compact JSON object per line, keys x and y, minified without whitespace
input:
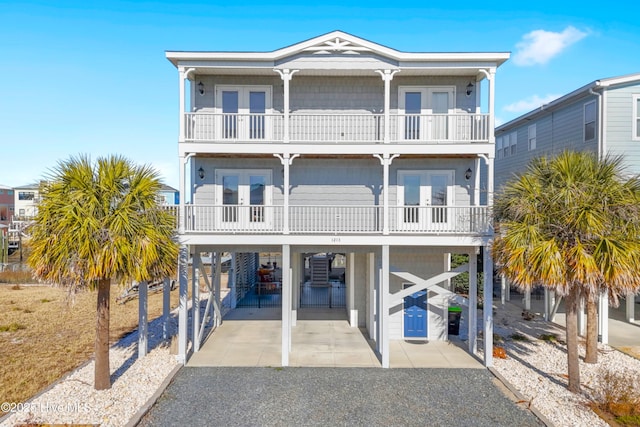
{"x":260,"y":219}
{"x":337,"y":128}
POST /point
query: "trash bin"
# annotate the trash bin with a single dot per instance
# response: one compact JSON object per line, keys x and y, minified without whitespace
{"x":455,"y":313}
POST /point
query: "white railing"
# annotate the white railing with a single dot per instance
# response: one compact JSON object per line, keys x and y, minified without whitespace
{"x":440,"y":219}
{"x":234,"y":218}
{"x":338,"y":219}
{"x":337,"y":128}
{"x":439,"y":127}
{"x":335,"y":219}
{"x":233,"y":127}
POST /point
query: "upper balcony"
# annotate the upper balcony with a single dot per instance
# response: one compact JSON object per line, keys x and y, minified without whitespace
{"x":307,"y":128}
{"x":336,"y":89}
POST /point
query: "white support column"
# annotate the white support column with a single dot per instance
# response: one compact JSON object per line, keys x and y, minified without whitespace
{"x":296,"y":265}
{"x":195,"y":300}
{"x":286,"y":303}
{"x":473,"y":302}
{"x":166,"y":307}
{"x":476,"y":182}
{"x":351,"y":281}
{"x":216,"y":290}
{"x":286,"y":76}
{"x":630,"y":307}
{"x":181,"y":100}
{"x":547,"y":309}
{"x":286,"y":160}
{"x":232,"y":282}
{"x":387,"y":76}
{"x":371,"y":266}
{"x":384,"y":308}
{"x":447,"y":267}
{"x":385,"y":161}
{"x":143,"y":325}
{"x":603,"y":317}
{"x":582,"y":319}
{"x":526,"y":300}
{"x":487,"y":305}
{"x":491,"y":74}
{"x":507,"y":289}
{"x":182,"y":307}
{"x":503,"y":289}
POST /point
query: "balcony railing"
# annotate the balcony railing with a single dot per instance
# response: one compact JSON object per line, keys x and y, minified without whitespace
{"x":258,"y":219}
{"x":337,"y":128}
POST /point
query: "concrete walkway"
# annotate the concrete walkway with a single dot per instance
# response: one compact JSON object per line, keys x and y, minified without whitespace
{"x":623,"y":335}
{"x":335,"y":396}
{"x":321,"y":338}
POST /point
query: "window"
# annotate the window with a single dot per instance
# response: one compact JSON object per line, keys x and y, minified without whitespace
{"x":10,"y":192}
{"x":499,"y":147}
{"x":636,"y":117}
{"x":532,"y":137}
{"x":26,"y":195}
{"x":513,"y":140}
{"x":590,"y":121}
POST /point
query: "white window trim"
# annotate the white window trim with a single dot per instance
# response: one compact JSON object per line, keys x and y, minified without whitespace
{"x":532,"y":137}
{"x":584,"y":122}
{"x":635,"y":118}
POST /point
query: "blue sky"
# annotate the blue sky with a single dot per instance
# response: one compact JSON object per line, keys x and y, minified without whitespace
{"x":91,"y":77}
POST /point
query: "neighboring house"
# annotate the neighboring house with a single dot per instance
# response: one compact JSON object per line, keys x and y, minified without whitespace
{"x":25,"y":201}
{"x":168,"y":196}
{"x":602,"y":117}
{"x":337,"y":145}
{"x":6,"y":204}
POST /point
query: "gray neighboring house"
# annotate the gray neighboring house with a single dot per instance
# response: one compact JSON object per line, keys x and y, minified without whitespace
{"x":602,"y":116}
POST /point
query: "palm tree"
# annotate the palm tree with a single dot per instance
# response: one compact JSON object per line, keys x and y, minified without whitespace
{"x":571,"y":224}
{"x":100,"y":223}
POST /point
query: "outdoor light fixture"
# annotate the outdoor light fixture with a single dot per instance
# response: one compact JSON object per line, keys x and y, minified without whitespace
{"x":201,"y":173}
{"x":469,"y":89}
{"x":201,"y":88}
{"x":467,"y":174}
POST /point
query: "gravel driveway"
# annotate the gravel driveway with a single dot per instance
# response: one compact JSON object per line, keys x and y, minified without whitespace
{"x":335,"y":396}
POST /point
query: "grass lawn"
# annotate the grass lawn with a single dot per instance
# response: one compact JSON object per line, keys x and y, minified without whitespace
{"x":43,"y":335}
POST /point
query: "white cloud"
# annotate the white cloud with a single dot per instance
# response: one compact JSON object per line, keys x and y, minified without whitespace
{"x":528,"y":104}
{"x":539,"y":46}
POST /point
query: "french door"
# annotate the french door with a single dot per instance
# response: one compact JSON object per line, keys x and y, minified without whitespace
{"x":424,"y":198}
{"x":244,"y":112}
{"x":243,"y":198}
{"x":425,"y":113}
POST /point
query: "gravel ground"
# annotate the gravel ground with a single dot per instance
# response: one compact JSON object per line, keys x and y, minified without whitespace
{"x":537,"y":369}
{"x":73,"y":400}
{"x":335,"y":396}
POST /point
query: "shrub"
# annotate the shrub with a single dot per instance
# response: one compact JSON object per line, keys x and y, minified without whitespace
{"x":619,"y":395}
{"x":519,"y":337}
{"x":549,"y":337}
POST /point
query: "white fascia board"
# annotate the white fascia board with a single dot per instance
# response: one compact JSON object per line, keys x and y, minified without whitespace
{"x":333,"y":240}
{"x":629,"y":78}
{"x":339,"y":149}
{"x":316,"y":44}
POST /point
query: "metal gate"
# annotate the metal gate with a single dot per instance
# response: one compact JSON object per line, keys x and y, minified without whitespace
{"x":329,"y":295}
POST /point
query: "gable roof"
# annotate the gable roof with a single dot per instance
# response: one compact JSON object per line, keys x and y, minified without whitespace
{"x":335,"y":42}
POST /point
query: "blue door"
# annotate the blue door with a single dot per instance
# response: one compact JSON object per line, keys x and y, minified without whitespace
{"x":415,"y":315}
